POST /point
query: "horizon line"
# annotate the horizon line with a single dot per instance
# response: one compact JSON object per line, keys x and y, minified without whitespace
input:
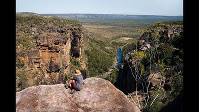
{"x":103,"y":14}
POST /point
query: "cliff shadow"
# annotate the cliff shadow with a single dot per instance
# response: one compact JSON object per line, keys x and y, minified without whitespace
{"x":175,"y":106}
{"x":125,"y":80}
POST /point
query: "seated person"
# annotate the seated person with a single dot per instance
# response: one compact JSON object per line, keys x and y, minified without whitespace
{"x":76,"y":82}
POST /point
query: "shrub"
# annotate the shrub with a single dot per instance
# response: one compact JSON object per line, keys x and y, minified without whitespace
{"x":113,"y":76}
{"x":155,"y":107}
{"x":25,"y":41}
{"x":139,"y":55}
{"x":98,"y":61}
{"x":75,"y":62}
{"x":178,"y":41}
{"x":177,"y":85}
{"x":129,"y":47}
{"x":21,"y":74}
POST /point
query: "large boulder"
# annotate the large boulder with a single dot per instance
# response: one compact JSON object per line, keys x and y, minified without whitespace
{"x":96,"y":95}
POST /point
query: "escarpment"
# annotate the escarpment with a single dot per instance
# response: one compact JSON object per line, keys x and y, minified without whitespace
{"x":44,"y":50}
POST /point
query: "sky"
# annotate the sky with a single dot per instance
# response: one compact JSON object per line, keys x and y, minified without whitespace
{"x":132,"y":7}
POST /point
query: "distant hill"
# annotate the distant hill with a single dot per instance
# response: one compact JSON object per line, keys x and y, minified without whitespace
{"x":145,"y":19}
{"x":26,"y":13}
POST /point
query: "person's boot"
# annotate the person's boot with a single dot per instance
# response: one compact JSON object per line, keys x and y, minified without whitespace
{"x":66,"y":86}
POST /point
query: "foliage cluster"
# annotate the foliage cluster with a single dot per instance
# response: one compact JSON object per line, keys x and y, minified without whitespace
{"x":164,"y":55}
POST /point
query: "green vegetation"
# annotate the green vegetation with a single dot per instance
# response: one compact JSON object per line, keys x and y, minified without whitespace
{"x":29,"y":26}
{"x":103,"y":41}
{"x":21,"y":75}
{"x":177,"y":85}
{"x":166,"y":57}
{"x":155,"y":107}
{"x":41,"y":20}
{"x":129,"y":46}
{"x":25,"y":41}
{"x":113,"y":76}
{"x":139,"y":55}
{"x":75,"y":62}
{"x":172,"y":22}
{"x":98,"y":61}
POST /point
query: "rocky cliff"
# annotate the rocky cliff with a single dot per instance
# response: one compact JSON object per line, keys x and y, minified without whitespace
{"x":97,"y":95}
{"x":45,"y":49}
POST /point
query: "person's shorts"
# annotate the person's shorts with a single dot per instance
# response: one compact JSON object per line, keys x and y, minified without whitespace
{"x":77,"y":87}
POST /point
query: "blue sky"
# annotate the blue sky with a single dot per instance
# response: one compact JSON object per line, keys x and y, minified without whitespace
{"x":134,"y":7}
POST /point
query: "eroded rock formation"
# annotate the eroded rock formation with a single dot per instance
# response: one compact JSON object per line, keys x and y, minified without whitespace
{"x":48,"y":61}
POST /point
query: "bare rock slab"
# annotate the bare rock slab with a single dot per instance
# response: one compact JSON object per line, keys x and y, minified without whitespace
{"x":97,"y":95}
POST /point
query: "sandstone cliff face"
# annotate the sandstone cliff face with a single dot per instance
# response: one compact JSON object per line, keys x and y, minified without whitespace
{"x":45,"y":47}
{"x":97,"y":95}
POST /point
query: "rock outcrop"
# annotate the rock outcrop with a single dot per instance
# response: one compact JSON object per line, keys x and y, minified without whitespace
{"x":156,"y":79}
{"x":45,"y":48}
{"x":97,"y":95}
{"x":164,"y":34}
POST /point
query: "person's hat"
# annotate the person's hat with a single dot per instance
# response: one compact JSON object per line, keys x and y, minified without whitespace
{"x":77,"y":71}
